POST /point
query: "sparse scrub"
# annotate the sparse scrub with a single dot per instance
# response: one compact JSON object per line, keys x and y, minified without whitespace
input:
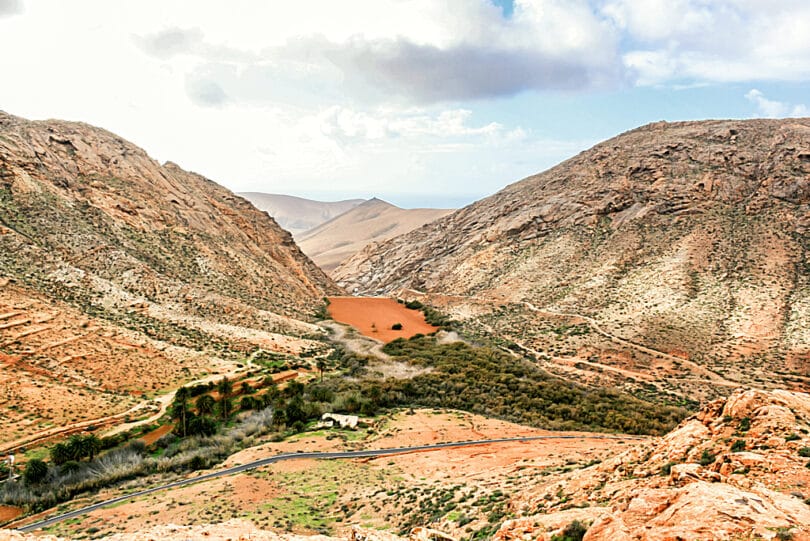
{"x":707,"y":457}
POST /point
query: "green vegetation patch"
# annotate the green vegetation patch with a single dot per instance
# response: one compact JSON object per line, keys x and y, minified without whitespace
{"x":490,"y":382}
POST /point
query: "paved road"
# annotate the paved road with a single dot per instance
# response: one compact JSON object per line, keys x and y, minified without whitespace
{"x":293,"y":456}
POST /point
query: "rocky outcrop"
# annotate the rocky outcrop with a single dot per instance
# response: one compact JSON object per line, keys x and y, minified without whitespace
{"x":736,"y":470}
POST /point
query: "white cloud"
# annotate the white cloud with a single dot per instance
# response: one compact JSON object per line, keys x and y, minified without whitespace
{"x":672,"y":41}
{"x":775,"y":109}
{"x":10,"y":7}
{"x":461,"y":50}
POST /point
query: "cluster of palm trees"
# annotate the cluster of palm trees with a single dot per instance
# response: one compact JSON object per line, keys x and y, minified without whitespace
{"x":202,"y":422}
{"x":78,"y":447}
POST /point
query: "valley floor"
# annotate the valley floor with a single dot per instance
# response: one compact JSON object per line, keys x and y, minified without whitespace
{"x":388,"y":493}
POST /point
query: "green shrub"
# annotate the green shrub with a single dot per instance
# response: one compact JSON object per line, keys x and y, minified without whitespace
{"x":737,"y":446}
{"x":745,"y":424}
{"x":666,"y":469}
{"x":784,"y":533}
{"x":396,"y":327}
{"x":35,"y":471}
{"x":573,"y":532}
{"x":707,"y":457}
{"x":489,"y":381}
{"x":804,"y":452}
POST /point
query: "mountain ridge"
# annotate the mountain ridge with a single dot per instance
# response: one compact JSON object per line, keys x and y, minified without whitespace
{"x":688,"y":237}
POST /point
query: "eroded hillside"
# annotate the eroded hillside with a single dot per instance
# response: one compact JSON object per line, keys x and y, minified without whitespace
{"x":688,"y":239}
{"x":121,"y":276}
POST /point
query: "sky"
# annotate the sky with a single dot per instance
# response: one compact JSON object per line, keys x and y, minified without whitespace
{"x":420,"y":102}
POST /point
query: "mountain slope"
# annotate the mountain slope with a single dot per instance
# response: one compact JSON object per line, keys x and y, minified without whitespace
{"x":296,"y":214}
{"x":108,"y":258}
{"x":690,"y":238}
{"x":373,"y":221}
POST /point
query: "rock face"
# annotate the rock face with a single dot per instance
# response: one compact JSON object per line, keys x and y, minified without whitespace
{"x":119,"y":275}
{"x":736,"y":470}
{"x":687,"y":237}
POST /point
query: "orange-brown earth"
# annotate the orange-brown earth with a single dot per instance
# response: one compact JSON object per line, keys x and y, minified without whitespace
{"x":9,"y":513}
{"x":374,"y":317}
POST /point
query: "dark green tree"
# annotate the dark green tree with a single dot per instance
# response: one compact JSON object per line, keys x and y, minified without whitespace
{"x":321,"y":365}
{"x":202,"y":426}
{"x":225,"y":390}
{"x":205,"y":404}
{"x":295,"y":411}
{"x":35,"y":471}
{"x":91,"y":445}
{"x":60,"y":454}
{"x":179,"y":410}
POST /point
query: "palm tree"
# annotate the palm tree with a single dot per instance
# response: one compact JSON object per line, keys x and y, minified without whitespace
{"x":92,"y":445}
{"x":205,"y":404}
{"x":180,"y":409}
{"x":60,"y":453}
{"x":321,"y":364}
{"x":75,"y":447}
{"x":225,"y":388}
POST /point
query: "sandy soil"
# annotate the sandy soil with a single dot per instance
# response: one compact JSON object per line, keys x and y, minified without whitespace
{"x":7,"y":513}
{"x":374,"y":316}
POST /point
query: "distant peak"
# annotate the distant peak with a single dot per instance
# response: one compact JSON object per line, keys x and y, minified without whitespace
{"x":376,"y":201}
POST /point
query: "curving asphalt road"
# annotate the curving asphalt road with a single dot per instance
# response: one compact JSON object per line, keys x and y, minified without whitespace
{"x":292,"y":456}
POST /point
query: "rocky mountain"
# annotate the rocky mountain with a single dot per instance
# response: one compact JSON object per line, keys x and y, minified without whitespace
{"x":675,"y":247}
{"x":122,"y":276}
{"x":372,"y":221}
{"x":297,"y":214}
{"x":736,"y":470}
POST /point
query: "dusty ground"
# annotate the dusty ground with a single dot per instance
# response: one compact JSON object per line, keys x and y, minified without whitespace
{"x":330,"y":496}
{"x":374,"y":316}
{"x":8,"y":513}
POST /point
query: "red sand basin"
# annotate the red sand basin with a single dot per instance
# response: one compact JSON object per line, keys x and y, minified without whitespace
{"x":374,"y":316}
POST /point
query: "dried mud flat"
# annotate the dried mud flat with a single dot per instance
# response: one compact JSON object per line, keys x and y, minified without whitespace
{"x":374,"y":317}
{"x":331,"y":496}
